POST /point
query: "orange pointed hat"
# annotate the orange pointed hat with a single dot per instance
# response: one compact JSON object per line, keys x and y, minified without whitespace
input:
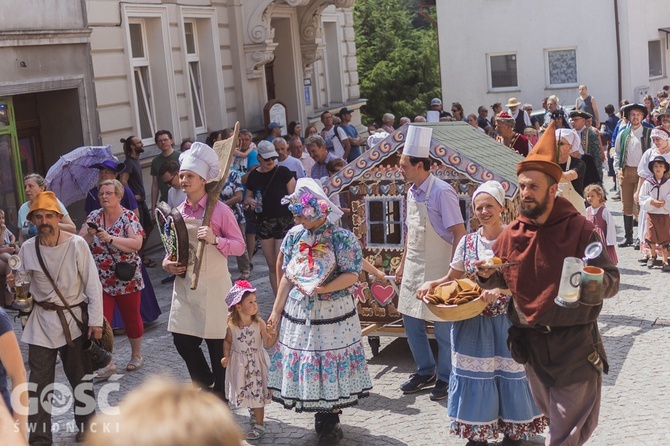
{"x":543,"y":157}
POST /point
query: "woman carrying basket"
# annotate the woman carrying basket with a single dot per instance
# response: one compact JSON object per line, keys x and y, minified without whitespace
{"x":488,"y":390}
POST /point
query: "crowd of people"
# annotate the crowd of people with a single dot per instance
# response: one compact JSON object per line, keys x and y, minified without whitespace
{"x":492,"y":368}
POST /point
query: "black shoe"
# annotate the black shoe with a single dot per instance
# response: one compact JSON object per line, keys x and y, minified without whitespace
{"x":509,"y":442}
{"x":417,"y":382}
{"x":636,"y":244}
{"x":440,"y":391}
{"x":169,"y":279}
{"x":332,"y":430}
{"x":643,"y":260}
{"x":319,"y":419}
{"x":626,"y":243}
{"x":650,"y":262}
{"x":665,"y":268}
{"x":613,"y":189}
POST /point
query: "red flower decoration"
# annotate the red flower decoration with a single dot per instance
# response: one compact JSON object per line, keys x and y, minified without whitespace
{"x":243,"y":284}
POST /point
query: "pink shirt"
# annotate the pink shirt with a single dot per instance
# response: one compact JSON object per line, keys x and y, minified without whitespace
{"x":223,"y":224}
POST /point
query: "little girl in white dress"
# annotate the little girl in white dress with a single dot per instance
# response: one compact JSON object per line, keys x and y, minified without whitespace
{"x":247,"y":334}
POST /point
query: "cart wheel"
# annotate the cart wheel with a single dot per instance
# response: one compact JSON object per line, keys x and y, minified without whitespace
{"x":374,"y":344}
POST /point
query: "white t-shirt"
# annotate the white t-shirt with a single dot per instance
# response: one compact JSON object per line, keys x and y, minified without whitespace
{"x":335,"y":143}
{"x":294,"y":165}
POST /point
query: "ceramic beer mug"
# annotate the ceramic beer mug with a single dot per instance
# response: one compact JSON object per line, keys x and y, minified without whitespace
{"x":581,"y":283}
{"x":591,"y":286}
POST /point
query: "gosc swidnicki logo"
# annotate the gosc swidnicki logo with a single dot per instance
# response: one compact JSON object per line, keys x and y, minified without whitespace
{"x":58,"y":399}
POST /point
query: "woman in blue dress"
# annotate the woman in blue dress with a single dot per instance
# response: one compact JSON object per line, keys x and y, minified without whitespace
{"x":319,"y":362}
{"x":488,"y":391}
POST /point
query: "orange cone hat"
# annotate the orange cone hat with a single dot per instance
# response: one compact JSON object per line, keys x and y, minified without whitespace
{"x":544,"y":155}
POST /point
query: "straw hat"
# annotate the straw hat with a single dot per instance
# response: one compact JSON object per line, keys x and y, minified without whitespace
{"x":513,"y":102}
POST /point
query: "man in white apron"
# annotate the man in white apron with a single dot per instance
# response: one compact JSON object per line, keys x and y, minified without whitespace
{"x":202,"y":313}
{"x":434,"y":226}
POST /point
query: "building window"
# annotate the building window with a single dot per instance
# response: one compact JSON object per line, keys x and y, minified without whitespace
{"x":655,"y":58}
{"x":146,"y":117}
{"x":385,"y":222}
{"x":561,"y":67}
{"x":194,"y":77}
{"x":502,"y":72}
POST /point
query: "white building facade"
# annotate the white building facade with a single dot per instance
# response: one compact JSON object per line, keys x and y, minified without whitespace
{"x":196,"y":66}
{"x":90,"y":72}
{"x":493,"y":50}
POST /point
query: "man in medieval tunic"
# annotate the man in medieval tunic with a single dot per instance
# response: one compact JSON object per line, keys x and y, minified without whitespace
{"x":202,"y":314}
{"x":560,"y":348}
{"x":51,"y":329}
{"x":434,"y":226}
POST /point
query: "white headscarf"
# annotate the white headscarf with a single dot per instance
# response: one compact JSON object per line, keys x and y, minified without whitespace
{"x":305,"y":185}
{"x":494,"y":189}
{"x":658,"y":133}
{"x":201,"y":159}
{"x":377,"y":137}
{"x":572,"y":137}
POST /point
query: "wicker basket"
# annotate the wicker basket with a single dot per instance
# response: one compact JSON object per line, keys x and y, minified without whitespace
{"x":452,"y":313}
{"x":457,"y":312}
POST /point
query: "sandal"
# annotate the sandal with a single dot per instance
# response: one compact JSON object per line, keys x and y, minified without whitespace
{"x":149,"y":263}
{"x":256,"y":433}
{"x":134,"y":364}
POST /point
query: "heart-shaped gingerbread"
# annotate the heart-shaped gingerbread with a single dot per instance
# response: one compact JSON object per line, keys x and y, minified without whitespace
{"x":382,"y":293}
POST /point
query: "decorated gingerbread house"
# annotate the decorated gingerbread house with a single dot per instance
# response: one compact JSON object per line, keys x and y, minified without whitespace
{"x":376,"y":190}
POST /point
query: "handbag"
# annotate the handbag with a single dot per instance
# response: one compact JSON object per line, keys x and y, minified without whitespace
{"x":124,"y":271}
{"x":107,"y":340}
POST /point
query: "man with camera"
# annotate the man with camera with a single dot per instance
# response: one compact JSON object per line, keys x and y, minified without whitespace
{"x":62,"y":274}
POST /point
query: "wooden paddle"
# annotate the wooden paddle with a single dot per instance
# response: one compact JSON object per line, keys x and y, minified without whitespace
{"x":226,"y":151}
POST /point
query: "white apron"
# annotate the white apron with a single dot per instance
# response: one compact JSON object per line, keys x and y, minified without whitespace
{"x":201,"y":312}
{"x":566,"y":190}
{"x":427,"y":257}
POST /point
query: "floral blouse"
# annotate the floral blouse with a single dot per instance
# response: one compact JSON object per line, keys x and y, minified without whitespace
{"x":234,"y":184}
{"x":106,"y":255}
{"x":471,"y":248}
{"x":348,"y":254}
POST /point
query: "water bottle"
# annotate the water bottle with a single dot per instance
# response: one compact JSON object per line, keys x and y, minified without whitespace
{"x":259,"y":202}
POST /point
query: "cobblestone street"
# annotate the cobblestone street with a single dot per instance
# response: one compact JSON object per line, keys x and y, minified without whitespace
{"x":635,"y":326}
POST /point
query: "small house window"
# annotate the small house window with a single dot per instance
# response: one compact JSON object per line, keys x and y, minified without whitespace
{"x":655,"y":58}
{"x":561,"y":67}
{"x":502,"y":72}
{"x":384,"y":221}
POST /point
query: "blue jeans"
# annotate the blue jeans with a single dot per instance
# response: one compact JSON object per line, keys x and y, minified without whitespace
{"x":420,"y":347}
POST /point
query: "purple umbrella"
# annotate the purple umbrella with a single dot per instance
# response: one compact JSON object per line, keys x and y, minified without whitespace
{"x":71,"y":178}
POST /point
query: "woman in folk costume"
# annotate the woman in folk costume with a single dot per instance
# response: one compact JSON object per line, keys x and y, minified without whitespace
{"x":320,"y":335}
{"x":572,"y":182}
{"x":488,"y":391}
{"x":202,"y":313}
{"x":660,"y":137}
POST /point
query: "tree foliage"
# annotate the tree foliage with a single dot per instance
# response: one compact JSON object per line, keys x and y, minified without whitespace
{"x":398,"y":62}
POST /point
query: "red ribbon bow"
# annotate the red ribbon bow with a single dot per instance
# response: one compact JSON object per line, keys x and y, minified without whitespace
{"x":304,"y":246}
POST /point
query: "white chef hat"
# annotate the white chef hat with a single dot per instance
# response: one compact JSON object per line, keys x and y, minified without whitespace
{"x":310,"y":186}
{"x":417,"y":141}
{"x":572,"y":137}
{"x":201,"y":159}
{"x":494,"y":189}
